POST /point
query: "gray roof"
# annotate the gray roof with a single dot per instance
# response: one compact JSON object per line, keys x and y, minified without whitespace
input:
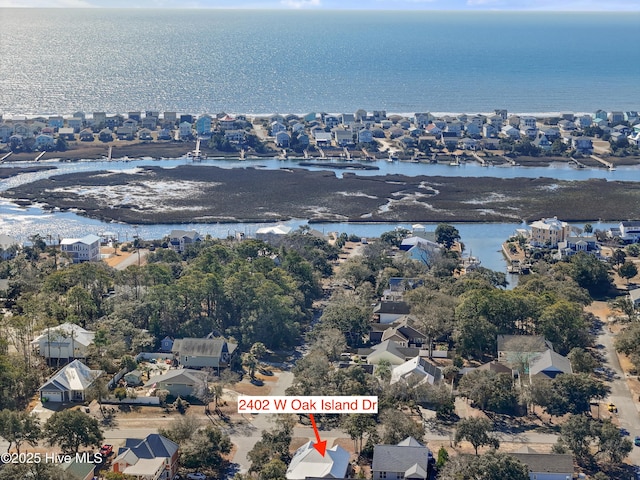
{"x":182,"y":376}
{"x":399,"y":308}
{"x":408,"y":455}
{"x":153,"y":446}
{"x":202,"y":347}
{"x":550,"y":361}
{"x":546,"y":462}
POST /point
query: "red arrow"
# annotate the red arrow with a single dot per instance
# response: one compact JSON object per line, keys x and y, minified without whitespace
{"x":320,"y":446}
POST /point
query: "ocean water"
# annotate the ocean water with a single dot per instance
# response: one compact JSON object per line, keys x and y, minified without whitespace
{"x":58,"y":61}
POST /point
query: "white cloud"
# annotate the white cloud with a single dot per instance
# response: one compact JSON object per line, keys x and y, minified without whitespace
{"x":301,"y":3}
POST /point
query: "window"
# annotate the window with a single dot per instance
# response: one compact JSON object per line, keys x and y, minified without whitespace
{"x":383,"y":474}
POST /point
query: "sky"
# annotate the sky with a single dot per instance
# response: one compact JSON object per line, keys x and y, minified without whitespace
{"x":467,"y":5}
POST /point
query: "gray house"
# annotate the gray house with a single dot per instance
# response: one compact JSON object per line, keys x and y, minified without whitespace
{"x":407,"y":460}
{"x":203,"y":352}
{"x":182,"y":382}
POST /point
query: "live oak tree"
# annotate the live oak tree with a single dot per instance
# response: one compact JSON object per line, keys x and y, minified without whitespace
{"x":476,"y":431}
{"x":628,"y":270}
{"x":18,"y":427}
{"x":490,"y":466}
{"x":447,"y":235}
{"x":72,"y":429}
{"x":205,"y":449}
{"x":397,"y":426}
{"x":433,"y":311}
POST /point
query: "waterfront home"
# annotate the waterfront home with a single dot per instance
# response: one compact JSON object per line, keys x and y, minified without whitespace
{"x":86,"y":135}
{"x":630,"y":231}
{"x":203,"y":352}
{"x":56,"y":121}
{"x":548,"y":232}
{"x":347,"y":119}
{"x":583,"y":145}
{"x":552,"y":133}
{"x":69,"y":384}
{"x":179,"y":240}
{"x":342,"y":137}
{"x":297,"y":127}
{"x":6,"y":131}
{"x":203,"y":126}
{"x":542,"y":142}
{"x":615,"y":117}
{"x":184,"y":130}
{"x":409,"y":459}
{"x":164,"y":134}
{"x":365,"y":136}
{"x":45,"y":142}
{"x":308,"y":463}
{"x":529,"y":132}
{"x":125,"y":132}
{"x":496,"y":121}
{"x":277,"y":127}
{"x":282,"y":139}
{"x":135,"y":116}
{"x":23,"y":130}
{"x":99,"y":119}
{"x":67,"y":133}
{"x":601,"y":115}
{"x":511,"y":132}
{"x":8,"y":246}
{"x":490,"y":130}
{"x":527,"y":122}
{"x":145,"y":134}
{"x":322,"y":138}
{"x":468,"y":144}
{"x":386,"y":124}
{"x":152,"y":458}
{"x":514,"y":121}
{"x":331,"y":121}
{"x":584,"y":121}
{"x":171,"y":117}
{"x":149,"y":122}
{"x":303,"y":140}
{"x":235,"y":135}
{"x":422,"y":119}
{"x":273,"y":234}
{"x":114,"y":121}
{"x":574,"y":245}
{"x":105,"y":135}
{"x":85,"y":249}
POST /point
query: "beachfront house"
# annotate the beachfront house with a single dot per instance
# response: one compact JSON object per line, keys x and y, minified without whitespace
{"x":6,"y":131}
{"x":85,"y":249}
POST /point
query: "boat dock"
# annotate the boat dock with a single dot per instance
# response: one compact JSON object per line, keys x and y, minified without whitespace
{"x":5,"y":157}
{"x":110,"y":152}
{"x":347,"y":153}
{"x":480,"y":160}
{"x":242,"y":154}
{"x":40,"y":155}
{"x":578,"y":164}
{"x":322,"y":155}
{"x":609,"y":165}
{"x":511,"y":161}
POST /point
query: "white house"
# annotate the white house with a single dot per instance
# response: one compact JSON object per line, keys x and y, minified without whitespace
{"x":8,"y":246}
{"x":67,"y":341}
{"x":307,"y":462}
{"x":69,"y":384}
{"x":416,"y":371}
{"x":85,"y":249}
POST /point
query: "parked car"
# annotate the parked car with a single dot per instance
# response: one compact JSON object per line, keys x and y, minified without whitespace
{"x":106,"y":450}
{"x":196,"y":476}
{"x":636,"y":441}
{"x":612,"y":408}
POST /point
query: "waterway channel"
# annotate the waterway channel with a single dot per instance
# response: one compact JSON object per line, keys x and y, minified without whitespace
{"x":481,"y":240}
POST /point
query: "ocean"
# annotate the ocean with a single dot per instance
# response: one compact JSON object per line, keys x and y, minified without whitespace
{"x":58,"y":61}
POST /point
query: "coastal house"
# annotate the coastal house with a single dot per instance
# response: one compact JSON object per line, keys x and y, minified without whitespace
{"x":203,"y":126}
{"x":227,"y":122}
{"x":409,"y":459}
{"x":490,"y":130}
{"x":99,"y":119}
{"x":272,"y":234}
{"x":105,"y":135}
{"x":416,"y":371}
{"x":181,"y":382}
{"x":573,"y":245}
{"x":542,"y":142}
{"x":342,"y":137}
{"x":518,"y":351}
{"x":45,"y":142}
{"x":584,"y":121}
{"x":402,"y":332}
{"x":496,"y":121}
{"x":468,"y":144}
{"x":277,"y":127}
{"x":56,"y":121}
{"x":203,"y":352}
{"x":179,"y":240}
{"x":78,"y":470}
{"x":552,"y":133}
{"x":472,"y":128}
{"x":164,"y":134}
{"x":422,"y":119}
{"x":545,"y":466}
{"x":69,"y":384}
{"x":152,"y":458}
{"x":615,"y":117}
{"x":86,"y":135}
{"x":548,"y":364}
{"x":282,"y":139}
{"x":510,"y":131}
{"x":347,"y":119}
{"x":388,"y":351}
{"x":67,"y":133}
{"x":303,"y":140}
{"x":23,"y":130}
{"x":365,"y":136}
{"x":583,"y":145}
{"x":548,"y":232}
{"x":331,"y":121}
{"x":6,"y":131}
{"x":185,"y":131}
{"x":126,"y":132}
{"x":9,"y":246}
{"x":170,"y":117}
{"x":390,"y":311}
{"x":527,"y":122}
{"x":236,"y":136}
{"x":307,"y":463}
{"x":630,"y":231}
{"x":145,"y":135}
{"x":322,"y":138}
{"x":149,"y":122}
{"x":64,"y":342}
{"x":85,"y":249}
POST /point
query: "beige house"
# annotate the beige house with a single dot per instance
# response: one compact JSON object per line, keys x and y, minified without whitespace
{"x":548,"y":232}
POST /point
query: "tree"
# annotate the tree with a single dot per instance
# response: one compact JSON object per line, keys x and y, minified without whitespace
{"x":434,"y":312}
{"x":249,"y":361}
{"x":618,"y":257}
{"x":398,"y":426}
{"x":357,"y":425}
{"x":588,"y":228}
{"x":275,"y":469}
{"x":590,"y":273}
{"x":613,"y":446}
{"x":628,"y":270}
{"x":476,"y":431}
{"x":582,"y":361}
{"x":71,"y":429}
{"x":181,"y":429}
{"x":443,"y":457}
{"x":563,"y":324}
{"x":18,"y":427}
{"x":447,"y":235}
{"x":572,"y":393}
{"x":348,"y":315}
{"x":489,"y":390}
{"x":206,"y":448}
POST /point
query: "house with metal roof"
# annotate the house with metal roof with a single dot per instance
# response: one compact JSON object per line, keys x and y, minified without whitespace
{"x":180,"y":239}
{"x":182,"y":382}
{"x":416,"y":371}
{"x":69,"y":384}
{"x":152,"y":458}
{"x":66,"y":342}
{"x":409,"y":459}
{"x":307,"y":462}
{"x":549,"y":364}
{"x":85,"y":249}
{"x":203,"y":352}
{"x":545,"y":466}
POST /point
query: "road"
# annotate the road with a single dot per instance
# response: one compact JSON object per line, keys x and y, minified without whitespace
{"x":133,"y":259}
{"x":620,"y":395}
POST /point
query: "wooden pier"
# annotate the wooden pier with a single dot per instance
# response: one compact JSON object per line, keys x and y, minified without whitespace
{"x":110,"y":152}
{"x":609,"y":165}
{"x":40,"y":155}
{"x":347,"y":154}
{"x":578,"y":163}
{"x":480,"y":160}
{"x":5,"y":157}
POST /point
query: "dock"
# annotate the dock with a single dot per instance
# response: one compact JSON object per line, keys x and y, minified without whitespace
{"x":322,"y":155}
{"x":347,"y":154}
{"x":110,"y":152}
{"x":283,"y":154}
{"x":609,"y":165}
{"x":306,"y":154}
{"x":480,"y":160}
{"x":578,"y":163}
{"x":511,"y":161}
{"x":242,"y":154}
{"x":5,"y":157}
{"x":40,"y":155}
